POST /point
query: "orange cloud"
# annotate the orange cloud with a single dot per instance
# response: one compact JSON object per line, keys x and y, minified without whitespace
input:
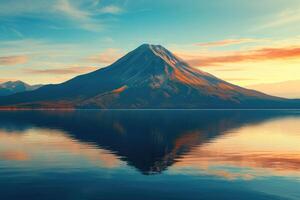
{"x":14,"y":155}
{"x":108,"y":56}
{"x":67,"y":70}
{"x":13,"y":60}
{"x":262,"y":54}
{"x":2,"y":80}
{"x":227,"y":42}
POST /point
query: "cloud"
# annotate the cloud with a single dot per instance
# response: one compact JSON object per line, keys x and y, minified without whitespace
{"x":283,"y":18}
{"x":67,"y":70}
{"x":240,"y":79}
{"x":14,"y":156}
{"x":108,"y":56}
{"x":112,"y":9}
{"x":228,"y":42}
{"x":13,"y":60}
{"x":70,"y":10}
{"x":289,"y":89}
{"x":84,"y":18}
{"x":11,"y":31}
{"x":18,"y":8}
{"x":3,"y":80}
{"x":260,"y":54}
{"x":231,"y":69}
{"x":83,"y":14}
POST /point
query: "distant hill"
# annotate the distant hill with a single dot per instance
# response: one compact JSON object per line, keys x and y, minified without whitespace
{"x":149,"y":77}
{"x":13,"y":87}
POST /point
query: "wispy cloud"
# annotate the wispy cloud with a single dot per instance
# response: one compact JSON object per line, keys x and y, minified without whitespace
{"x":240,"y":79}
{"x":66,"y":70}
{"x":108,"y":56}
{"x":14,"y":155}
{"x":231,"y":69}
{"x":13,"y":60}
{"x":283,"y":18}
{"x":260,"y":54}
{"x":84,"y":18}
{"x":65,"y":7}
{"x":83,"y":14}
{"x":228,"y":42}
{"x":111,"y":9}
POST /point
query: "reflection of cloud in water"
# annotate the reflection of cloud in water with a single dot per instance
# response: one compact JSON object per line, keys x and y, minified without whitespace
{"x":14,"y":155}
{"x":46,"y":144}
{"x":231,"y":144}
{"x":268,"y":149}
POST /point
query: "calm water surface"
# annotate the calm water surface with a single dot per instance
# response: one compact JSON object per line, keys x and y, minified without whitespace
{"x":150,"y":155}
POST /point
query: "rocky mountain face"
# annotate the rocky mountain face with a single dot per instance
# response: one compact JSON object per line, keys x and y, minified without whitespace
{"x":149,"y":77}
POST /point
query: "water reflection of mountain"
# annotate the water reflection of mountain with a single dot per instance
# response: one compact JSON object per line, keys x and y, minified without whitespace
{"x":148,"y":140}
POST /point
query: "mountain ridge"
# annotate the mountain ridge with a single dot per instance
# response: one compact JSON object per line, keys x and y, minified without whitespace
{"x":149,"y":77}
{"x":13,"y":87}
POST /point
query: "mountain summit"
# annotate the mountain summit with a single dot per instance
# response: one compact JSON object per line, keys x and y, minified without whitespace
{"x":149,"y":77}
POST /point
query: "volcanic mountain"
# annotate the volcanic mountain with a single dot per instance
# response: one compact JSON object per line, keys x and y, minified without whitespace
{"x":149,"y":77}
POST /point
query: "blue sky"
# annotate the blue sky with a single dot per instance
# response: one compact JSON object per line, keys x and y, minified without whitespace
{"x":43,"y":41}
{"x":134,"y":22}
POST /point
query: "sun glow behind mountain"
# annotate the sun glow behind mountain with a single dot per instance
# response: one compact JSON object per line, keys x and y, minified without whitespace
{"x":149,"y":77}
{"x":256,"y":45}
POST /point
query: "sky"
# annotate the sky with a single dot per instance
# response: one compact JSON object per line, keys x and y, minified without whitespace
{"x":254,"y":44}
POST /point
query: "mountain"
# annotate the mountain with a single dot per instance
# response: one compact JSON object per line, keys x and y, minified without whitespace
{"x":13,"y":87}
{"x":149,"y":77}
{"x":166,"y":135}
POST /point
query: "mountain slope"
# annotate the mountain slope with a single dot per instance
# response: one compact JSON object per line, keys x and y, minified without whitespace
{"x":13,"y":87}
{"x":148,"y":77}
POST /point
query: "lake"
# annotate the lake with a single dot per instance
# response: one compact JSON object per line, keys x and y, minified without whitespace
{"x":163,"y":154}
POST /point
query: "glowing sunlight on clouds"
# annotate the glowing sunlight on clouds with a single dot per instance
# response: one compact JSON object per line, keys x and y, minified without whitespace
{"x":13,"y":60}
{"x":228,"y":42}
